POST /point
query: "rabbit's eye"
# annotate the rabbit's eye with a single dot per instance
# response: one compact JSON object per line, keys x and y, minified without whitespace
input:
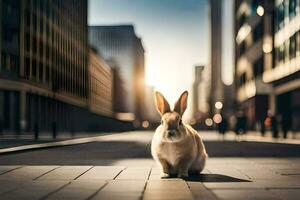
{"x":180,"y":122}
{"x":162,"y":122}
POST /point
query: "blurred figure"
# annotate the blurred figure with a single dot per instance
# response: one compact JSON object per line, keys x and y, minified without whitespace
{"x":262,"y":127}
{"x":223,"y":126}
{"x":285,"y":126}
{"x":274,"y":127}
{"x":241,"y":124}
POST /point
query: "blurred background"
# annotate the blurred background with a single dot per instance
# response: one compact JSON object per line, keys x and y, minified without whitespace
{"x":93,"y":66}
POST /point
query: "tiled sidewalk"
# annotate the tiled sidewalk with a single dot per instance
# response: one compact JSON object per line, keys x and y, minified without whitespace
{"x":223,"y":178}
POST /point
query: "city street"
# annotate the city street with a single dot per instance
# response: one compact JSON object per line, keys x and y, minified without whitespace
{"x":119,"y":166}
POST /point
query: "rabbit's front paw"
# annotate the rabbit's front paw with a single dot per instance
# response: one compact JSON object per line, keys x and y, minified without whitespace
{"x":164,"y":175}
{"x":182,"y":175}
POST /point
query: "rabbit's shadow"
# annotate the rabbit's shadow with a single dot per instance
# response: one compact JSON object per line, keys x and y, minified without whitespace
{"x":212,"y":178}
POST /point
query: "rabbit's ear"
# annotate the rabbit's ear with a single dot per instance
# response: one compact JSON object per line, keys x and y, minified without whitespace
{"x":161,"y":103}
{"x":181,"y":103}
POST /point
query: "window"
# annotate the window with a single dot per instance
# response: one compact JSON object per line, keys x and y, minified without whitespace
{"x":47,"y":73}
{"x":41,"y":25}
{"x":292,"y":47}
{"x":41,"y":72}
{"x":258,"y":67}
{"x":298,"y":42}
{"x":34,"y":45}
{"x":279,"y":16}
{"x":3,"y":60}
{"x":292,"y":8}
{"x":27,"y":17}
{"x":242,"y":79}
{"x":14,"y":63}
{"x":33,"y":69}
{"x":281,"y":53}
{"x":27,"y":68}
{"x":27,"y":42}
{"x":242,"y":48}
{"x":41,"y":48}
{"x":258,"y":31}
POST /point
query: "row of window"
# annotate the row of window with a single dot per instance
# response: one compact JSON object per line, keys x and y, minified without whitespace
{"x":288,"y":50}
{"x":287,"y":8}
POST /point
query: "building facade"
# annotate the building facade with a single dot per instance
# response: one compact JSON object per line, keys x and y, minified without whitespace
{"x":284,"y":74}
{"x":253,"y":54}
{"x":43,"y":71}
{"x":120,"y":45}
{"x":100,"y":85}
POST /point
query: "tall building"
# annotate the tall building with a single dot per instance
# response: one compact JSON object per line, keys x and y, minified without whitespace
{"x":284,"y":74}
{"x":121,"y":45}
{"x":198,"y":104}
{"x":100,"y":85}
{"x":216,"y":86}
{"x":253,"y":53}
{"x":44,"y":65}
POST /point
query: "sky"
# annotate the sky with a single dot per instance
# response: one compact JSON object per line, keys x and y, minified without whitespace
{"x":175,"y":35}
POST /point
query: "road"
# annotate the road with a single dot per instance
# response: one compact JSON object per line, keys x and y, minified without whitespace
{"x":135,"y":147}
{"x":120,"y":167}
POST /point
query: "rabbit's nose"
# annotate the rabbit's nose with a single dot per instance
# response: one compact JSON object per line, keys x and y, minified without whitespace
{"x":171,"y":132}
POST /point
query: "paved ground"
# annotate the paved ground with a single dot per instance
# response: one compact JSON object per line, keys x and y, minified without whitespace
{"x":120,"y":167}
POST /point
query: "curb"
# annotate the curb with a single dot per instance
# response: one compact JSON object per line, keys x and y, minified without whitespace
{"x":67,"y":142}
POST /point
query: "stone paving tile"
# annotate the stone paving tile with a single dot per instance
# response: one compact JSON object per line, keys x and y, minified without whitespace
{"x":134,"y":173}
{"x":124,"y":185}
{"x":27,"y":172}
{"x":121,"y":189}
{"x":118,"y":196}
{"x":295,"y":171}
{"x":65,"y":173}
{"x":287,"y":194}
{"x":167,"y":189}
{"x":34,"y":190}
{"x":284,"y":183}
{"x":78,"y":190}
{"x":200,"y":192}
{"x":11,"y":185}
{"x":230,"y":172}
{"x":231,"y":185}
{"x":101,"y":172}
{"x":4,"y":169}
{"x":246,"y":194}
{"x":155,"y":174}
{"x":261,"y":174}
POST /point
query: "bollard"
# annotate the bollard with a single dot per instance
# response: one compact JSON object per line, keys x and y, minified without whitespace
{"x":36,"y":131}
{"x":54,"y":130}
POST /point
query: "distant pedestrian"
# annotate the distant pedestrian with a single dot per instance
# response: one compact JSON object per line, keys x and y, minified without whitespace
{"x":274,"y":126}
{"x":262,"y":127}
{"x":223,"y":126}
{"x":285,"y":125}
{"x":241,"y":124}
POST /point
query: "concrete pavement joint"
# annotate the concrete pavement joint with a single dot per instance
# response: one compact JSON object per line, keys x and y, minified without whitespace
{"x":83,"y":172}
{"x":11,"y":170}
{"x":47,"y":172}
{"x":54,"y":191}
{"x":93,"y":195}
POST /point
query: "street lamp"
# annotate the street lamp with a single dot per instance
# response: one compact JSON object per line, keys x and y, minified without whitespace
{"x":260,"y":10}
{"x":218,"y":105}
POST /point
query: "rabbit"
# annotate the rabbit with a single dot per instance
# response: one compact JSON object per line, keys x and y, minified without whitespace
{"x":176,"y":147}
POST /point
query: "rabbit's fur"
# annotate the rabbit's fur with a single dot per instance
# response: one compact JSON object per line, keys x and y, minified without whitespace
{"x":176,"y":147}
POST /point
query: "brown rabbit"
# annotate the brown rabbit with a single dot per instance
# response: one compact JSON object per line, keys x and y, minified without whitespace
{"x":176,"y":147}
